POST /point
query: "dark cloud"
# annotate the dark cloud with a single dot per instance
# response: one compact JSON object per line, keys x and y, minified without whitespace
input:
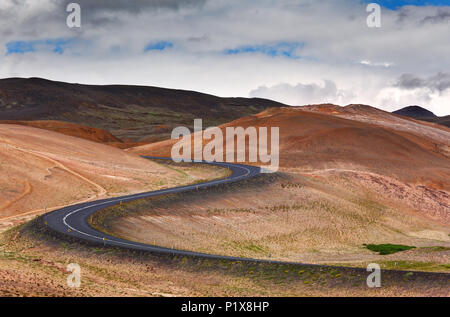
{"x":134,"y":6}
{"x":104,"y":21}
{"x":439,"y":82}
{"x":403,"y":14}
{"x":433,"y":16}
{"x":409,"y":81}
{"x":441,"y":16}
{"x":199,"y":39}
{"x":107,"y":12}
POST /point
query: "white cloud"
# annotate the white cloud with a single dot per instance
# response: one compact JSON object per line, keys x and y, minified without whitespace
{"x":369,"y":63}
{"x":361,"y":64}
{"x":302,"y":94}
{"x":393,"y":98}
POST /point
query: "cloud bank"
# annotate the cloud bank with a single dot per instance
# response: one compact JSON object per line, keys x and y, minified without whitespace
{"x":302,"y":94}
{"x":294,"y":51}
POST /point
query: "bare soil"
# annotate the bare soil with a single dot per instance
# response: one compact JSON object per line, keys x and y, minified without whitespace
{"x":34,"y":263}
{"x":42,"y":170}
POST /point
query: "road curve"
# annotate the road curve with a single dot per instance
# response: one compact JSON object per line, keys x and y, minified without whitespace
{"x":73,"y":221}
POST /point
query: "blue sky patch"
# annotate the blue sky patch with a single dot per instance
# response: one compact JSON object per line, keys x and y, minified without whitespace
{"x":56,"y":46}
{"x":395,"y":4}
{"x":286,"y":49}
{"x":158,"y":46}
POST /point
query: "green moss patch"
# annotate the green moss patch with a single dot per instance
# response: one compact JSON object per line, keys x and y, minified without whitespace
{"x":385,"y":249}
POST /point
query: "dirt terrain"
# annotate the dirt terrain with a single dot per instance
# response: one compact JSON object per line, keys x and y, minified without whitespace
{"x":354,"y":175}
{"x":349,"y":176}
{"x":356,"y":137}
{"x":71,"y":129}
{"x":304,"y":218}
{"x":42,"y":170}
{"x":33,"y":263}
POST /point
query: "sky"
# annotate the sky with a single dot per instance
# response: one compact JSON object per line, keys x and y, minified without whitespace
{"x":294,"y":51}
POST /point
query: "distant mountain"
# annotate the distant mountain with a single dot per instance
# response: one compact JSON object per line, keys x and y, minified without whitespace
{"x":420,"y":113}
{"x":415,"y":112}
{"x":128,"y":112}
{"x":441,"y":120}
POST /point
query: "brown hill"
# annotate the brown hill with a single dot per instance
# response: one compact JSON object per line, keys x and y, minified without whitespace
{"x":128,"y":112}
{"x":350,"y":176}
{"x":440,"y":120}
{"x":44,"y":169}
{"x":71,"y":129}
{"x":356,"y":138}
{"x":331,"y":136}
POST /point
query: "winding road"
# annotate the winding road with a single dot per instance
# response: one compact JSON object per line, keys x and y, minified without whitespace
{"x":73,"y":221}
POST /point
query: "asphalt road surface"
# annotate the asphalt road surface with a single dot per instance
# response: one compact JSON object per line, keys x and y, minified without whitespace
{"x":73,"y":221}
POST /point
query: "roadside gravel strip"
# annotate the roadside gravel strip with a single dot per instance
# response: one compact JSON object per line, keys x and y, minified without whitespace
{"x":73,"y":221}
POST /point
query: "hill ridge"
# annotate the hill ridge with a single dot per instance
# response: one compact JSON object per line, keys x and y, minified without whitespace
{"x":128,"y":112}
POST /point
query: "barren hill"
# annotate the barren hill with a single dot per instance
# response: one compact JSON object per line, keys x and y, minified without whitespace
{"x":128,"y":112}
{"x":329,"y":136}
{"x":405,"y":159}
{"x":420,"y":113}
{"x":43,"y":169}
{"x":349,"y":176}
{"x":415,"y":112}
{"x":71,"y":129}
